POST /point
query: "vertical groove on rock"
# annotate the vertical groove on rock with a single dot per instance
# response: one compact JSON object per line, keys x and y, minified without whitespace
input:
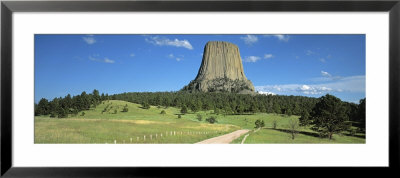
{"x":221,"y":60}
{"x":221,"y":70}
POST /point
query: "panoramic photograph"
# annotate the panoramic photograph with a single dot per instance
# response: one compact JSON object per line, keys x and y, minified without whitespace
{"x":200,"y":89}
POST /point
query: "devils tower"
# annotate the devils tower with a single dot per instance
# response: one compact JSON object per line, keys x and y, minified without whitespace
{"x":221,"y":70}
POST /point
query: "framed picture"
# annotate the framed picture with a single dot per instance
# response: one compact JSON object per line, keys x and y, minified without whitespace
{"x":104,"y":88}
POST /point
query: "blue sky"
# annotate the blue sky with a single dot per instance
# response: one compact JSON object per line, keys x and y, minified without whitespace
{"x":307,"y":65}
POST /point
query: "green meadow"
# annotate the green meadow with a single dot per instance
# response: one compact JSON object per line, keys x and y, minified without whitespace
{"x":269,"y":135}
{"x":138,"y":125}
{"x":135,"y":126}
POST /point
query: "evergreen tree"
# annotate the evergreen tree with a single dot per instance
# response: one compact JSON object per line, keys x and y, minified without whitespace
{"x":329,"y":116}
{"x":361,"y":113}
{"x":277,"y":109}
{"x":96,"y":97}
{"x":62,"y":113}
{"x":54,"y":106}
{"x":43,"y":107}
{"x":305,"y":119}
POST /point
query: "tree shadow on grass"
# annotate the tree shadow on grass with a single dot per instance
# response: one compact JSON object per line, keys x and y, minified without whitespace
{"x":300,"y":132}
{"x":358,"y":136}
{"x":237,"y":114}
{"x":315,"y":134}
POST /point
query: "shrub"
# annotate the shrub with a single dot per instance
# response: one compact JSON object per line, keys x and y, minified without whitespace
{"x":293,"y":127}
{"x":289,"y":113}
{"x":125,"y":108}
{"x":275,"y":123}
{"x":83,"y":114}
{"x":145,"y":105}
{"x":199,"y":117}
{"x":216,"y":111}
{"x":184,"y":109}
{"x":75,"y":112}
{"x":211,"y":120}
{"x":53,"y":115}
{"x":162,"y":112}
{"x":179,"y":116}
{"x":62,"y":114}
{"x":259,"y":123}
{"x":115,"y":111}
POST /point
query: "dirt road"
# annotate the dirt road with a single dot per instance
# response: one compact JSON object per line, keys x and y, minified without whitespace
{"x":224,"y":139}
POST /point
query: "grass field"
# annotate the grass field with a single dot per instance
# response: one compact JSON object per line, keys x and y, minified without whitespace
{"x":149,"y":126}
{"x":135,"y":126}
{"x":282,"y":135}
{"x":269,"y":135}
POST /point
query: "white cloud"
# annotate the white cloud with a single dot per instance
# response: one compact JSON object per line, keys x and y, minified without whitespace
{"x":352,"y":84}
{"x":98,"y":59}
{"x":177,"y":58}
{"x":256,"y":58}
{"x":89,"y":39}
{"x":326,"y":77}
{"x":325,"y":74}
{"x":323,"y":59}
{"x":106,"y":60}
{"x":265,"y":93}
{"x":284,"y":38}
{"x":305,"y":87}
{"x":267,"y":56}
{"x":309,"y":52}
{"x":161,"y":41}
{"x":249,"y":39}
{"x":295,"y":89}
{"x":252,"y":58}
{"x":314,"y":90}
{"x":132,"y":55}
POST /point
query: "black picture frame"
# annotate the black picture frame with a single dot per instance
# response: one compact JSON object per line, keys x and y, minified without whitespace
{"x":8,"y":7}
